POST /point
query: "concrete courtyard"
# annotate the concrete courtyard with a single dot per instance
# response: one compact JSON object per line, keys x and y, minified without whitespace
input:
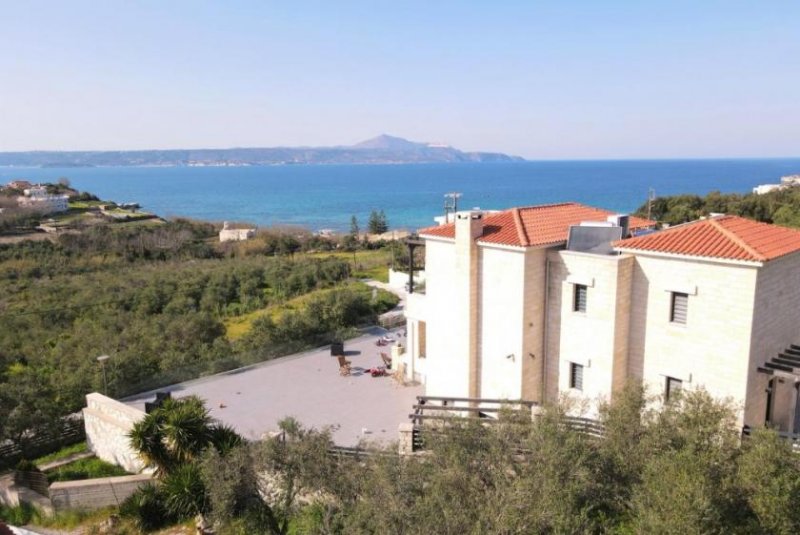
{"x":308,"y":387}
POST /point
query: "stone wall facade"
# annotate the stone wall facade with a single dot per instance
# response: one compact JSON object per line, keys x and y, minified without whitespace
{"x":108,"y":423}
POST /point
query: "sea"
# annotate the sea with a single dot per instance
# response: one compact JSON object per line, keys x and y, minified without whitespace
{"x":411,"y":195}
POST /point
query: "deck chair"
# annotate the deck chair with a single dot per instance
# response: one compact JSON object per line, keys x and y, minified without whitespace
{"x":344,"y":365}
{"x":387,"y":361}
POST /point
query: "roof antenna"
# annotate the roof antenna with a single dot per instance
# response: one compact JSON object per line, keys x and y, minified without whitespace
{"x":450,"y":204}
{"x":651,"y":196}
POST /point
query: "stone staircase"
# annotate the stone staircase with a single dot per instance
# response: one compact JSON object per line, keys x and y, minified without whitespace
{"x":787,"y":361}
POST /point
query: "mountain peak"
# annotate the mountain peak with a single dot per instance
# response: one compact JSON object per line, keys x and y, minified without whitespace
{"x":387,"y":142}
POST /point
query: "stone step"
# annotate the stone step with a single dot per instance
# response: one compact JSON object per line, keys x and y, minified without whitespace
{"x":786,"y":362}
{"x":793,"y":358}
{"x":781,"y":367}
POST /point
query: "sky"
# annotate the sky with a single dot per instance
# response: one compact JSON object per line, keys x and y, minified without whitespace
{"x":563,"y":79}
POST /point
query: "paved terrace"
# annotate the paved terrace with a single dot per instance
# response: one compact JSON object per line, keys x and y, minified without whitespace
{"x":308,"y":387}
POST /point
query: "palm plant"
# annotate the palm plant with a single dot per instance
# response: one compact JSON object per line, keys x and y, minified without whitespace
{"x":177,"y":433}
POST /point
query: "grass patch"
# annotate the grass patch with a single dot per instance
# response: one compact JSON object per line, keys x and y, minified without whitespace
{"x":89,"y":468}
{"x":25,"y":514}
{"x":378,"y":273}
{"x":63,"y":453}
{"x":76,"y":518}
{"x":238,"y":326}
{"x":19,"y":515}
{"x":366,"y":264}
{"x":84,"y":205}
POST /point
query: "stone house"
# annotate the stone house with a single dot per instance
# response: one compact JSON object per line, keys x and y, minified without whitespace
{"x":538,"y":302}
{"x":230,"y":233}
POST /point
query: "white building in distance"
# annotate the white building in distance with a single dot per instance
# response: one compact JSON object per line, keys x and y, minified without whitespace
{"x":235,"y":234}
{"x":538,"y":302}
{"x":36,"y":198}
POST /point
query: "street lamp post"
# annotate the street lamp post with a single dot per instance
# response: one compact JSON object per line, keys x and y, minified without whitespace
{"x":102,"y":360}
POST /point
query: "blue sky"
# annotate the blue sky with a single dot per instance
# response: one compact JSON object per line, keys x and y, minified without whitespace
{"x":542,"y":79}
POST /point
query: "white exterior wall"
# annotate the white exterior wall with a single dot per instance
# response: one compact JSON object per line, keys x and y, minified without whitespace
{"x":447,"y":359}
{"x":399,"y":279}
{"x":712,"y":349}
{"x":501,"y":320}
{"x":45,"y":204}
{"x":776,"y":325}
{"x":108,"y":422}
{"x":236,"y":234}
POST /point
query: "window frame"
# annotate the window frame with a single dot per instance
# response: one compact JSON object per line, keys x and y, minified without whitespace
{"x":576,"y":302}
{"x":673,"y":297}
{"x":669,"y":387}
{"x":576,"y":380}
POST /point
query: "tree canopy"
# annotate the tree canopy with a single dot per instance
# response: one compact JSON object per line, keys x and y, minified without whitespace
{"x":781,"y":207}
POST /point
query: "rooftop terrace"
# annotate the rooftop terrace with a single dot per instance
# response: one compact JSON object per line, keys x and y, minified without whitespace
{"x":308,"y":387}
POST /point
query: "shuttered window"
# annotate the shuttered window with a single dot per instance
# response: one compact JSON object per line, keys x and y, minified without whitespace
{"x":680,"y":305}
{"x":673,"y":388}
{"x":575,"y":376}
{"x":579,"y":301}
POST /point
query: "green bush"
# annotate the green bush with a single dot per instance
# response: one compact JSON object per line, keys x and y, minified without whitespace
{"x":18,"y":516}
{"x":24,"y":465}
{"x":183,"y":491}
{"x":146,"y":508}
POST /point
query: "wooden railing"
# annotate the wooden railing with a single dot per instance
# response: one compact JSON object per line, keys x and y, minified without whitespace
{"x":72,"y":431}
{"x":444,"y":409}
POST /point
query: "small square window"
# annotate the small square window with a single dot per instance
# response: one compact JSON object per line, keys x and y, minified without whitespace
{"x":576,"y":376}
{"x":672,"y":388}
{"x":579,"y":299}
{"x":679,"y":308}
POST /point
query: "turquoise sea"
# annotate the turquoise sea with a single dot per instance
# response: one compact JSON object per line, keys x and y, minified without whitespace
{"x":325,"y":196}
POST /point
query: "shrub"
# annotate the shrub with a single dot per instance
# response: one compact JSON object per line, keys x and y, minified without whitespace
{"x":19,"y":515}
{"x":184,"y":492}
{"x":146,"y":508}
{"x":24,"y":465}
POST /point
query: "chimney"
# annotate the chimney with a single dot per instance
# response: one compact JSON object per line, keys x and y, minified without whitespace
{"x":469,"y":225}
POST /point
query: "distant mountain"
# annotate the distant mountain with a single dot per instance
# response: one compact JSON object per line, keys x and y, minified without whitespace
{"x":386,"y":142}
{"x":379,"y":150}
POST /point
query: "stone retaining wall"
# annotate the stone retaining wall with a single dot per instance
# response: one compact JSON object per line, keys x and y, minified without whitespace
{"x":92,"y":494}
{"x":108,"y":423}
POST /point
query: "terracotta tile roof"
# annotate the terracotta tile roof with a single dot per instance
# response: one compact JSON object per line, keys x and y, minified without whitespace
{"x":534,"y":225}
{"x":725,"y":237}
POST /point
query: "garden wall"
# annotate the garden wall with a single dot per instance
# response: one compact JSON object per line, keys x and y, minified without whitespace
{"x":108,"y":423}
{"x":92,"y":494}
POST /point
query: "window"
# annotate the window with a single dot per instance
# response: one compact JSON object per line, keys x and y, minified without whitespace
{"x":678,"y":308}
{"x":673,"y":388}
{"x":576,"y":376}
{"x":579,"y":299}
{"x":770,"y":390}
